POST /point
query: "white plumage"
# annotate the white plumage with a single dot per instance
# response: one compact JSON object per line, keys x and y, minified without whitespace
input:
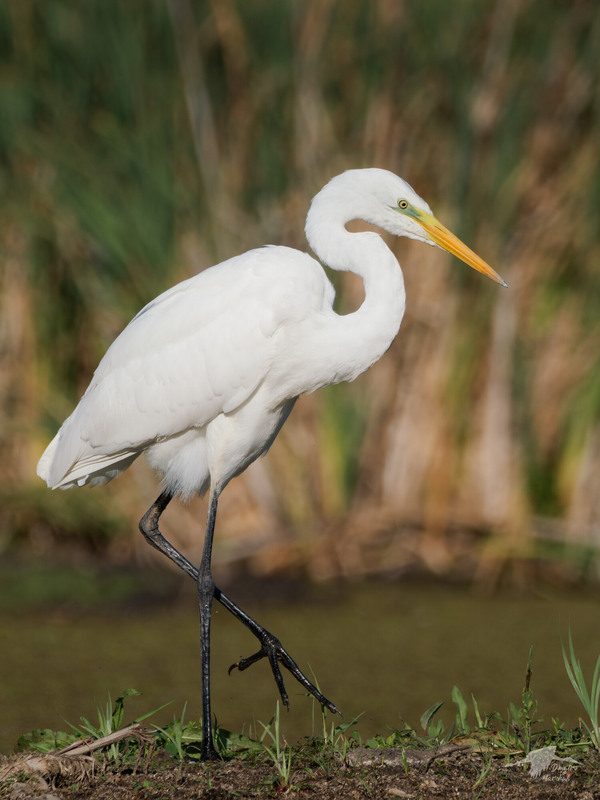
{"x":202,"y":379}
{"x":207,"y":348}
{"x":230,"y":349}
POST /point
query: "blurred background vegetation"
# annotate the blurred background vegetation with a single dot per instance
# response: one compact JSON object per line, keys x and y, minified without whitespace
{"x":143,"y":141}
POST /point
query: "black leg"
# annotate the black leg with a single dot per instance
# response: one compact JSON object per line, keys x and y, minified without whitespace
{"x":149,"y":528}
{"x":206,"y":592}
{"x":271,"y":648}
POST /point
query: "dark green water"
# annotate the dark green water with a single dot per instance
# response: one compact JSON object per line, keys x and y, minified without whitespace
{"x":386,"y":651}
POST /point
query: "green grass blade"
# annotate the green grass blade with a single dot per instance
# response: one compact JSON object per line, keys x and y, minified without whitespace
{"x":462,"y":713}
{"x":427,"y":716}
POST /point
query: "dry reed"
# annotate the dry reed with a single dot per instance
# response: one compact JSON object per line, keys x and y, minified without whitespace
{"x":142,"y":144}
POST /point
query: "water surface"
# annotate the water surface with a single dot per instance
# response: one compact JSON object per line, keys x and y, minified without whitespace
{"x":385,"y":651}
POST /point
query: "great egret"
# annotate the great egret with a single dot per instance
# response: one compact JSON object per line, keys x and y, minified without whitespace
{"x":203,"y":378}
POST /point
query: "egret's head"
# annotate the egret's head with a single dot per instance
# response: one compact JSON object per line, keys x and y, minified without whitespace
{"x":385,"y":200}
{"x":432,"y":231}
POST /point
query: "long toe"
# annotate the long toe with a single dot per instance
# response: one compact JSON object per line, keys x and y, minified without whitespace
{"x":271,"y":655}
{"x":273,"y":650}
{"x":244,"y":663}
{"x":277,"y":653}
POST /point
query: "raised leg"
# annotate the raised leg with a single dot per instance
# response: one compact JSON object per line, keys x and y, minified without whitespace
{"x":271,"y":648}
{"x":149,"y":528}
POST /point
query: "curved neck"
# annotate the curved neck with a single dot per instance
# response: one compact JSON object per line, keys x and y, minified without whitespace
{"x":355,"y":341}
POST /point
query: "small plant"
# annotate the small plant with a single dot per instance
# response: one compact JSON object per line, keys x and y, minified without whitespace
{"x":173,"y":736}
{"x":462,"y":712}
{"x":335,"y":737}
{"x":436,"y":730}
{"x":522,"y":718}
{"x":280,"y":753}
{"x":433,"y":730}
{"x":590,"y":700}
{"x":183,"y":739}
{"x":110,"y":720}
{"x":485,"y":772}
{"x":43,"y":740}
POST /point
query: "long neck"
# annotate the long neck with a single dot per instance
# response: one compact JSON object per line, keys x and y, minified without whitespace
{"x":356,"y":341}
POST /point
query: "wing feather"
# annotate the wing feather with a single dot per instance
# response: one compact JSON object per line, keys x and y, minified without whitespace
{"x":198,"y":350}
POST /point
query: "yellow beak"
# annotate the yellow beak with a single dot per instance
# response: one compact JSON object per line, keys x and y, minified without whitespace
{"x":445,"y":239}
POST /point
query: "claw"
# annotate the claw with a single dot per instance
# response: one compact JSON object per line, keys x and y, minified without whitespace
{"x":265,"y":652}
{"x":273,"y":650}
{"x":244,"y":663}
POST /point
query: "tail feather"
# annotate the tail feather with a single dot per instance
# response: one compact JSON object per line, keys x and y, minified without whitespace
{"x":43,"y":467}
{"x":95,"y":469}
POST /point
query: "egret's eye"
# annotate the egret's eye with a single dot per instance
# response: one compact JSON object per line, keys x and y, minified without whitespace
{"x":403,"y":204}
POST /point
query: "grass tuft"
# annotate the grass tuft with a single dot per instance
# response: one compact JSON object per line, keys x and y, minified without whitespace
{"x":590,"y":699}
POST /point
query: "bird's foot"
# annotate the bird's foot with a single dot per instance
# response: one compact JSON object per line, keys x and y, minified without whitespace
{"x":208,"y":752}
{"x":273,"y":650}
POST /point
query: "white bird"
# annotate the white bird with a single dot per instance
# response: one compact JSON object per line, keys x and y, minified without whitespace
{"x":203,"y":378}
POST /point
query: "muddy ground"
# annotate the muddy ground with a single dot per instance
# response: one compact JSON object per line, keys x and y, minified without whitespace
{"x":452,"y":772}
